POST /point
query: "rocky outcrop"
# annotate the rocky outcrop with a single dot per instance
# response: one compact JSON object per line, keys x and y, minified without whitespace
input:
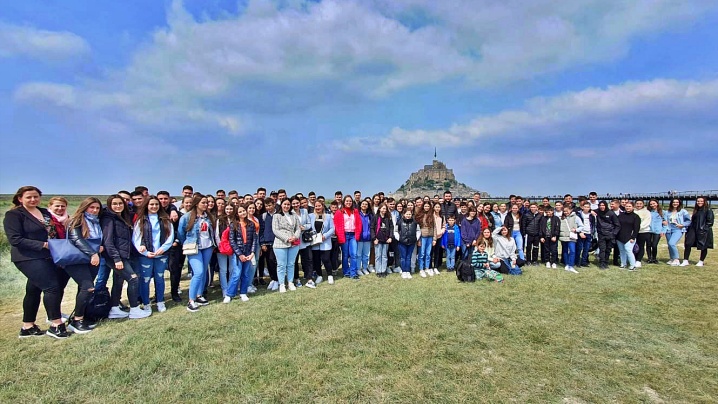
{"x":434,"y":179}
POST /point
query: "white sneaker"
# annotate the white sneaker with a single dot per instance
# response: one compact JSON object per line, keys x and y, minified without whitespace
{"x":572,"y":270}
{"x":684,"y":263}
{"x":553,"y":266}
{"x":436,"y":271}
{"x":292,"y":287}
{"x":226,"y":300}
{"x":330,"y":280}
{"x":161,"y":307}
{"x":430,"y":272}
{"x":137,"y":312}
{"x":271,"y":285}
{"x":147,"y":307}
{"x":673,"y":263}
{"x":422,"y":273}
{"x":252,"y":289}
{"x":310,"y":284}
{"x":699,"y":264}
{"x":403,"y":275}
{"x":408,"y":275}
{"x":115,"y":313}
{"x":319,"y":280}
{"x":638,"y":264}
{"x":548,"y":265}
{"x":565,"y":268}
{"x":244,"y":298}
{"x":282,"y":288}
{"x":266,"y":272}
{"x":371,"y":269}
{"x":397,"y":270}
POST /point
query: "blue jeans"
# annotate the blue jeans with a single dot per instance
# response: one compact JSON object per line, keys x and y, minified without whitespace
{"x":200,"y":268}
{"x":626,"y":252}
{"x":103,"y":274}
{"x":349,"y":255}
{"x":450,"y":258}
{"x":568,"y":251}
{"x":225,"y":270}
{"x":582,"y":247}
{"x":380,"y":262}
{"x":363,"y":251}
{"x":285,"y":263}
{"x":673,"y":237}
{"x":519,"y":243}
{"x":405,"y":251}
{"x":152,"y":268}
{"x":425,"y":252}
{"x":241,"y":277}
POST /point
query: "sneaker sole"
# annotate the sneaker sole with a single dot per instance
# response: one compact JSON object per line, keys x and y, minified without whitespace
{"x":192,"y":310}
{"x":76,"y":331}
{"x":49,"y":334}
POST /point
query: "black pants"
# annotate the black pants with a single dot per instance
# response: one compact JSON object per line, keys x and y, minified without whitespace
{"x":687,"y":253}
{"x":213,"y":269}
{"x":652,"y":246}
{"x":549,"y":251}
{"x":605,"y":244}
{"x":322,"y":257}
{"x":42,"y":282}
{"x":642,"y":241}
{"x":532,"y":248}
{"x":616,"y":254}
{"x":268,"y":260}
{"x":393,"y":258}
{"x":437,"y":255}
{"x":307,"y":265}
{"x":125,"y":274}
{"x":175,"y":262}
{"x":82,"y":275}
{"x":336,"y":249}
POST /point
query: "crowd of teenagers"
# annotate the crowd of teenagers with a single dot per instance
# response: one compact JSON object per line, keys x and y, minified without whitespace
{"x":244,"y":240}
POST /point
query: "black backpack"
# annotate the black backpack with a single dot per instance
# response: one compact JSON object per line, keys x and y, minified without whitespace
{"x":464,"y":271}
{"x":98,"y":306}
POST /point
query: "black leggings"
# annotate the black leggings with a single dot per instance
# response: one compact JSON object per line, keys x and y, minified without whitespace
{"x":175,"y":264}
{"x":642,"y":240}
{"x":653,"y":246}
{"x":437,"y":255}
{"x":307,"y":266}
{"x":42,"y":282}
{"x":687,"y":253}
{"x":82,"y":275}
{"x":132,"y":284}
{"x":268,"y":260}
{"x":322,"y":257}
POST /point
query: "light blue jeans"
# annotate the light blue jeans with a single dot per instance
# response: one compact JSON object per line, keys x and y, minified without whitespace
{"x":349,"y":255}
{"x":519,"y":243}
{"x":425,"y":253}
{"x":242,"y":275}
{"x":626,"y":252}
{"x":673,"y":237}
{"x":363,"y":251}
{"x":285,"y":263}
{"x":152,"y":268}
{"x":450,"y":258}
{"x":380,"y":261}
{"x":200,"y":268}
{"x":225,"y":270}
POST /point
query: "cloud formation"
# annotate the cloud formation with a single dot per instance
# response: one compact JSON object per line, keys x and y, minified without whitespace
{"x":43,"y":45}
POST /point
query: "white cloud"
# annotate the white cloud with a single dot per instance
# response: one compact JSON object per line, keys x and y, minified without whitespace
{"x":48,"y":46}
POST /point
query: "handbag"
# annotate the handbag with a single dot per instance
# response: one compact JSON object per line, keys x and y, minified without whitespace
{"x":65,"y":253}
{"x":308,"y":236}
{"x":190,"y":248}
{"x":573,"y":236}
{"x":317,"y":239}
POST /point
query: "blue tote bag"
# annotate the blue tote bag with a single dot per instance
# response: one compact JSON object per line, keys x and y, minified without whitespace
{"x":65,"y":253}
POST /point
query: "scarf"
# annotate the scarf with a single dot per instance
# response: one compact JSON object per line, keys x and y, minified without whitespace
{"x":93,"y":224}
{"x":61,"y":219}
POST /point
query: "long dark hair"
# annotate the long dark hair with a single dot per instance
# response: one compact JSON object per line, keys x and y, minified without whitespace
{"x":16,"y":198}
{"x":705,"y":204}
{"x":125,"y":214}
{"x":680,"y":205}
{"x":143,"y":212}
{"x":658,"y":206}
{"x":425,"y":217}
{"x":196,"y":199}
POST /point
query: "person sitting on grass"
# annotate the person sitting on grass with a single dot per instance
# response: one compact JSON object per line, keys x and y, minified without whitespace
{"x":481,"y":266}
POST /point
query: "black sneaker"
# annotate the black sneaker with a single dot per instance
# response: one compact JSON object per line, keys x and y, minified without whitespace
{"x":123,"y":307}
{"x":59,"y":332}
{"x":192,"y":307}
{"x":33,"y":331}
{"x":79,"y":327}
{"x":176,"y":299}
{"x":90,"y":324}
{"x":201,"y":301}
{"x":355,"y":277}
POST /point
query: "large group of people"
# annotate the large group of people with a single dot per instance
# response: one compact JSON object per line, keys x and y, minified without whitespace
{"x":245,"y":240}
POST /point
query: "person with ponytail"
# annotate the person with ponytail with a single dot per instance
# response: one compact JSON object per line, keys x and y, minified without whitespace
{"x":82,"y":226}
{"x":196,"y":231}
{"x":153,"y":236}
{"x":28,"y":228}
{"x":117,"y":242}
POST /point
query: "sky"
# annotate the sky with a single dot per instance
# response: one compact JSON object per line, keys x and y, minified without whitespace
{"x":532,"y":98}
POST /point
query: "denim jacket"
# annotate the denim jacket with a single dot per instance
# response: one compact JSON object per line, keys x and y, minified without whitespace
{"x":306,"y":220}
{"x":192,"y":236}
{"x":682,"y":217}
{"x":657,"y":226}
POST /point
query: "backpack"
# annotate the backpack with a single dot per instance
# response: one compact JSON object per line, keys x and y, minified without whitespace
{"x":98,"y":305}
{"x":224,"y":247}
{"x":464,"y":271}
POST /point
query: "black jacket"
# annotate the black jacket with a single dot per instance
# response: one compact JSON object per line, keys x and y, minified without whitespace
{"x":407,"y":231}
{"x":702,"y":228}
{"x":509,"y":223}
{"x":630,"y":224}
{"x":448,"y":209}
{"x":555,"y":227}
{"x":116,"y":237}
{"x":385,"y":232}
{"x":531,"y":223}
{"x":239,"y":245}
{"x":607,"y":224}
{"x":26,"y":235}
{"x":74,"y":234}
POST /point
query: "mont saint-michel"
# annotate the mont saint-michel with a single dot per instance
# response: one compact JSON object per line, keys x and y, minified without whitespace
{"x":433,"y":179}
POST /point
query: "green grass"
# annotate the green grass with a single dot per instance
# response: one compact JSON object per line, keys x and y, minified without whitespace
{"x":547,"y":336}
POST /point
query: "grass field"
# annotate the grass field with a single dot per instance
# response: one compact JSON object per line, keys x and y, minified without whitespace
{"x":547,"y":336}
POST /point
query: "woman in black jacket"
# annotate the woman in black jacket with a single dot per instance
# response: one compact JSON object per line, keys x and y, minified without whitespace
{"x":630,"y":225}
{"x":700,"y":232}
{"x":28,"y":227}
{"x":117,"y":243}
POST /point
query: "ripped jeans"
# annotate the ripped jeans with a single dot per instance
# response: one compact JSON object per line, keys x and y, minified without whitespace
{"x":150,"y":268}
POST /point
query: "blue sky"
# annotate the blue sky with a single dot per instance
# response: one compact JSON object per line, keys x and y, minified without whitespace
{"x":541,"y":97}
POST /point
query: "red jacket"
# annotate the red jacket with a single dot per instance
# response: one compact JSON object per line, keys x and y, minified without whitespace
{"x":339,"y":224}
